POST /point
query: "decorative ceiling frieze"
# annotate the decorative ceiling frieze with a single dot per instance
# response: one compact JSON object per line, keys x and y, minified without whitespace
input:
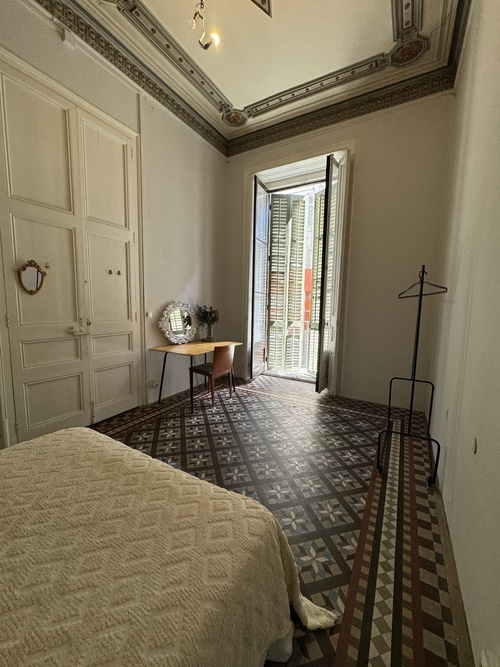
{"x":76,"y":19}
{"x":149,"y":25}
{"x":409,"y":45}
{"x":413,"y":89}
{"x":327,"y":82}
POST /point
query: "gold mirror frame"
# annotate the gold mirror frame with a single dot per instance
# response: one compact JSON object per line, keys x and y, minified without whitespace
{"x":31,"y":276}
{"x":187,"y":316}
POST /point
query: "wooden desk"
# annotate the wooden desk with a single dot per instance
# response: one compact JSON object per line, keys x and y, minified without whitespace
{"x":188,"y":350}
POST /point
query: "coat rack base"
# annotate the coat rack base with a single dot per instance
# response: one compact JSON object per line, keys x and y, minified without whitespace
{"x":408,"y":293}
{"x":431,"y":479}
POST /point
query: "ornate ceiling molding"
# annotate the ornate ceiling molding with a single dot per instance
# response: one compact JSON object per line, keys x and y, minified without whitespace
{"x":138,"y":14}
{"x":77,"y":20}
{"x":408,"y":91}
{"x":409,"y":45}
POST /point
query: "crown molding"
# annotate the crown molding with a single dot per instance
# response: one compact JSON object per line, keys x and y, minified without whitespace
{"x":408,"y":46}
{"x":76,"y":19}
{"x":421,"y":86}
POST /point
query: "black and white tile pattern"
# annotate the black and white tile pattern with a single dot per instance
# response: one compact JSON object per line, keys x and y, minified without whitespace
{"x":309,"y":460}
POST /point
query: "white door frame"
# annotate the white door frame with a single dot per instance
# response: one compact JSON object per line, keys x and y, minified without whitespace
{"x":247,"y":296}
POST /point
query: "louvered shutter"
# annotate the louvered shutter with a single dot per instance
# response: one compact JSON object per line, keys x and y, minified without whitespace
{"x":319,"y":214}
{"x":277,"y":280}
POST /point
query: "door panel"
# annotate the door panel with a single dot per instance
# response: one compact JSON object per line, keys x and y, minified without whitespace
{"x":37,"y":131}
{"x":331,"y":275}
{"x":109,"y":279}
{"x":327,"y":255}
{"x":337,"y":273}
{"x":105,"y":162}
{"x":319,"y":217}
{"x":287,"y":283}
{"x":113,"y":384}
{"x":47,"y":352}
{"x":54,"y":248}
{"x":295,"y":287}
{"x":53,"y":401}
{"x":111,"y":344}
{"x":277,"y":280}
{"x":261,"y":254}
{"x":110,"y":224}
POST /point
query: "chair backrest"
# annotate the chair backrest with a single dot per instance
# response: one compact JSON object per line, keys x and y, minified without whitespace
{"x":223,"y":359}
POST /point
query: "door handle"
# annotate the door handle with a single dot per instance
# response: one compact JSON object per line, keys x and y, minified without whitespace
{"x":78,"y":331}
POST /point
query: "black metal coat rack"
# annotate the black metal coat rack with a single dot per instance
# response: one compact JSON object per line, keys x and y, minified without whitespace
{"x":423,"y":291}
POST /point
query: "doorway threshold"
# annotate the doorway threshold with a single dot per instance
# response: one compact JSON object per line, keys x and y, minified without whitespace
{"x":297,"y":377}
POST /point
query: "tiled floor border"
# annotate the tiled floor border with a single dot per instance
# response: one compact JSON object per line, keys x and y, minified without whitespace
{"x":403,"y":605}
{"x":464,"y":646}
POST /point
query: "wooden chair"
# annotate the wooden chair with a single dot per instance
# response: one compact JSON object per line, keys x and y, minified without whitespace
{"x":221,"y":365}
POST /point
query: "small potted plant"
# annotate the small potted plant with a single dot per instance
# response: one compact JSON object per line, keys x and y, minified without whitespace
{"x":207,"y":317}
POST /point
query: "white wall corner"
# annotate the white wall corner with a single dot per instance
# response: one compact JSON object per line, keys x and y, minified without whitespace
{"x":489,"y":659}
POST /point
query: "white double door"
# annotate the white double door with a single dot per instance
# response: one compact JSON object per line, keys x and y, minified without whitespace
{"x":69,"y":202}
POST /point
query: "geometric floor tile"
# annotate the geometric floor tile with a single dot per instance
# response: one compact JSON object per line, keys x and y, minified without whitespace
{"x":309,"y":459}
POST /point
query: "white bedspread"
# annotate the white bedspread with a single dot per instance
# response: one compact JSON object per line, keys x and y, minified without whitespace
{"x":109,"y":557}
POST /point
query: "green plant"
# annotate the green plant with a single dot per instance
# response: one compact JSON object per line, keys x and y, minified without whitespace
{"x":207,"y":315}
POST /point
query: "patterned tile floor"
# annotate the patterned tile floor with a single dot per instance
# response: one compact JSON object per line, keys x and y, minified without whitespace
{"x":310,"y":460}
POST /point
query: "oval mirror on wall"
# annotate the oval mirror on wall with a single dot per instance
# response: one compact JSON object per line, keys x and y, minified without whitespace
{"x":31,"y":276}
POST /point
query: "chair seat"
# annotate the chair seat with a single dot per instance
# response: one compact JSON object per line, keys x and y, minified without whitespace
{"x":203,"y":368}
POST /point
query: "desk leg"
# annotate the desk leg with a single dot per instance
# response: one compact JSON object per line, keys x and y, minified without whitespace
{"x":162,"y":376}
{"x":191,"y":384}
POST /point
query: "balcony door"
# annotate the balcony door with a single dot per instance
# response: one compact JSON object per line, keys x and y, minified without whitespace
{"x":260,"y":278}
{"x":331,"y":274}
{"x":298,"y":252}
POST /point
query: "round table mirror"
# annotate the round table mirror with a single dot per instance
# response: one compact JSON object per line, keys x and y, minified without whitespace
{"x":178,"y":322}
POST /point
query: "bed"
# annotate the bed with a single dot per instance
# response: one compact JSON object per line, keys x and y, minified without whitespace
{"x":109,"y":557}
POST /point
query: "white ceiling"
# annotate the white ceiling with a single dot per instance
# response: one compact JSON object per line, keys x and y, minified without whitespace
{"x":259,"y":56}
{"x":309,"y":56}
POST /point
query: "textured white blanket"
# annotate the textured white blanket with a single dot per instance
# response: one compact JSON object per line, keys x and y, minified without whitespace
{"x":109,"y":557}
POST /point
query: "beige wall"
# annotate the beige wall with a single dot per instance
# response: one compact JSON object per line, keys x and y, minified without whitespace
{"x":399,"y":173}
{"x":468,"y":361}
{"x":184,"y":189}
